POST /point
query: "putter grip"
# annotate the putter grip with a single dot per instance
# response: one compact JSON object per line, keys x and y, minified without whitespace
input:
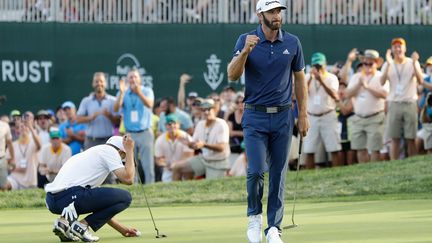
{"x":300,"y":144}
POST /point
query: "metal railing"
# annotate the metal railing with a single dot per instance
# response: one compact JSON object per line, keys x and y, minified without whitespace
{"x":354,"y":12}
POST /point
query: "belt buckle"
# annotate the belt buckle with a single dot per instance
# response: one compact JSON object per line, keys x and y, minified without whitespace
{"x":273,"y":109}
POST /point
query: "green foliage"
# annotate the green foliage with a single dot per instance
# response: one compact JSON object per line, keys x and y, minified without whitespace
{"x":407,"y":179}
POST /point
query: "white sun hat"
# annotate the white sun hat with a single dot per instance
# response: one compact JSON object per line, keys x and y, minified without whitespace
{"x":116,"y":141}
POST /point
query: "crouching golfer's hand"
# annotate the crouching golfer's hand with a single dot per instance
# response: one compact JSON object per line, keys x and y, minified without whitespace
{"x":124,"y":230}
{"x":128,"y":143}
{"x":69,"y":213}
{"x":131,"y":232}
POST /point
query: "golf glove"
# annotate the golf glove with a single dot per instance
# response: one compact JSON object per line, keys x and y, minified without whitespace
{"x":69,"y":213}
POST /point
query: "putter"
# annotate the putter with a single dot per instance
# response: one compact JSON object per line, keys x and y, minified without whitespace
{"x":158,"y":235}
{"x":293,"y":225}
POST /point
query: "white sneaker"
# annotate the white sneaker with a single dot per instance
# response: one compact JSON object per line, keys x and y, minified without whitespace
{"x":81,"y":231}
{"x":62,"y":230}
{"x":254,"y":231}
{"x":273,"y":236}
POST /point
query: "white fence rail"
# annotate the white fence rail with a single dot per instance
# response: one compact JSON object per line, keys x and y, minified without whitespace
{"x":354,"y":12}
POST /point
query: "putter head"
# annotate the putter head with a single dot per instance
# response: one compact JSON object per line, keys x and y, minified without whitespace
{"x":290,"y":226}
{"x":161,"y":236}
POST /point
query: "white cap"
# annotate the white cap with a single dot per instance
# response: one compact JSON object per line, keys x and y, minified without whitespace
{"x":116,"y":141}
{"x":266,"y":5}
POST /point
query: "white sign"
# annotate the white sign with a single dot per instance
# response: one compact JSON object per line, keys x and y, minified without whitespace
{"x":22,"y":71}
{"x":213,"y":78}
{"x":124,"y":64}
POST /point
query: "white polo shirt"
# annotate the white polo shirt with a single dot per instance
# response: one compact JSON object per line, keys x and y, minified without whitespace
{"x":365,"y":103}
{"x":403,"y":83}
{"x":218,"y":132}
{"x":89,"y":168}
{"x":54,"y":160}
{"x":319,"y":101}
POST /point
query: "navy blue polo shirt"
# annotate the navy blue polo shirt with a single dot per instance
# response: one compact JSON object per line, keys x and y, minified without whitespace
{"x":269,"y":68}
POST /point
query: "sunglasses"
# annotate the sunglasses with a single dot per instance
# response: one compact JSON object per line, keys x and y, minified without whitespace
{"x":205,"y":109}
{"x":368,"y":64}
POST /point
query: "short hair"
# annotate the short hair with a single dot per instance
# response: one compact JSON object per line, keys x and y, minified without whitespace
{"x":170,"y":100}
{"x":135,"y":70}
{"x":100,"y":74}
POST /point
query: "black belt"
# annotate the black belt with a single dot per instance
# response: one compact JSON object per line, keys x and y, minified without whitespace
{"x":268,"y":109}
{"x":321,"y":114}
{"x":137,"y":131}
{"x":371,"y":115}
{"x":97,"y":139}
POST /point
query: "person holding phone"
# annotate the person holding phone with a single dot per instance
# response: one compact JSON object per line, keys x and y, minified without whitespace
{"x":323,"y":95}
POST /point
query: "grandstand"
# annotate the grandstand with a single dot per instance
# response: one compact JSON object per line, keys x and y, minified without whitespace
{"x":344,"y":12}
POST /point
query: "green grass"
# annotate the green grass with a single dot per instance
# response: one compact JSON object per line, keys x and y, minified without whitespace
{"x":407,"y":179}
{"x":336,"y":222}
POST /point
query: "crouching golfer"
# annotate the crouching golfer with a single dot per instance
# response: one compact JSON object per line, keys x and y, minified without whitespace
{"x":76,"y":191}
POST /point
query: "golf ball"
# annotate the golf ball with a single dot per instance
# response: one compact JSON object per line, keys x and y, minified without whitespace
{"x":138,"y":233}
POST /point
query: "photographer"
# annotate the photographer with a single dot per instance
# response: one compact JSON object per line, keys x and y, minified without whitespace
{"x":322,"y":89}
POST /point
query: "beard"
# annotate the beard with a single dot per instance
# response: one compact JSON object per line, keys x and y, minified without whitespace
{"x":271,"y":25}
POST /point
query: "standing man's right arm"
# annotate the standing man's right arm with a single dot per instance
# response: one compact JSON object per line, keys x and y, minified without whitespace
{"x":385,"y":69}
{"x":237,"y":64}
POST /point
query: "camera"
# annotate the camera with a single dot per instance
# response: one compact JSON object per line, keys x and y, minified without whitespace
{"x":429,"y":99}
{"x":359,"y":53}
{"x":317,"y":66}
{"x":3,"y":99}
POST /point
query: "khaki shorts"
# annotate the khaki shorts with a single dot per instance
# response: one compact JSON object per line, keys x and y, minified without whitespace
{"x":323,"y":128}
{"x":427,"y":135}
{"x":211,"y":169}
{"x":402,"y":120}
{"x":3,"y":172}
{"x":367,"y":133}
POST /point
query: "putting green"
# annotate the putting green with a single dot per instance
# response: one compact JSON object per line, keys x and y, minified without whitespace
{"x":373,"y":221}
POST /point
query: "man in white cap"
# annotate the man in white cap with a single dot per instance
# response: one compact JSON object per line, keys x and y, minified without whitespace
{"x":368,"y":122}
{"x":270,"y":58}
{"x":76,"y":191}
{"x":211,"y":136}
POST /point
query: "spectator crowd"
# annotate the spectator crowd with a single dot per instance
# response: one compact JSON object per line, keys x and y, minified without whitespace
{"x":367,"y":108}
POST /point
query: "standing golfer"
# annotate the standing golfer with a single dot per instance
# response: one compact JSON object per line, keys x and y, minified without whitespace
{"x":76,"y":190}
{"x":269,"y":57}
